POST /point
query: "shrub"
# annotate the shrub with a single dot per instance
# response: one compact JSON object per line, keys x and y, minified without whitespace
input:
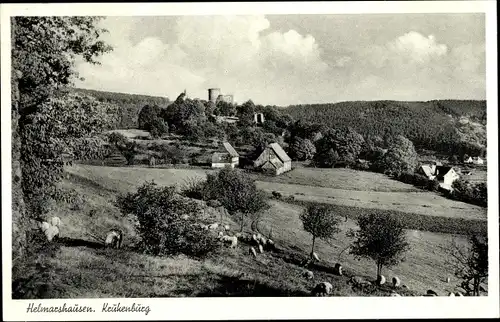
{"x":163,"y":230}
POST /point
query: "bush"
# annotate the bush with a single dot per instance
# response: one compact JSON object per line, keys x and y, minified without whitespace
{"x":161,"y":226}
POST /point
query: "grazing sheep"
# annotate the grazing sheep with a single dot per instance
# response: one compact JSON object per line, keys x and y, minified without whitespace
{"x":114,"y":239}
{"x":380,"y":280}
{"x":315,"y":256}
{"x":261,"y":249}
{"x":322,"y":289}
{"x":252,"y":251}
{"x":308,"y":274}
{"x":359,"y":281}
{"x":43,"y":225}
{"x":230,"y":239}
{"x":396,"y":281}
{"x":213,"y":226}
{"x":270,"y":244}
{"x":55,"y":221}
{"x":431,"y":293}
{"x":337,"y":270}
{"x":51,"y":232}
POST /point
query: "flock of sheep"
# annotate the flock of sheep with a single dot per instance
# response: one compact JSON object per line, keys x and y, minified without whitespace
{"x":258,"y":244}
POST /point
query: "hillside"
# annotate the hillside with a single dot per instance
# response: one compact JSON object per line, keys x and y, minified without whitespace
{"x":130,"y":104}
{"x":448,"y":126}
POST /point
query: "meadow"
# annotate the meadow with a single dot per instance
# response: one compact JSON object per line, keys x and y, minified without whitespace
{"x":83,"y":269}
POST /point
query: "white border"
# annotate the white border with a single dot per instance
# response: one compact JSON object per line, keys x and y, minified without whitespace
{"x":263,"y":308}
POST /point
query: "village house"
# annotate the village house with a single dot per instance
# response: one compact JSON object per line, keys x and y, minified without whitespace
{"x":445,"y":175}
{"x":227,"y":158}
{"x":468,"y":160}
{"x":274,"y":160}
{"x":477,"y":160}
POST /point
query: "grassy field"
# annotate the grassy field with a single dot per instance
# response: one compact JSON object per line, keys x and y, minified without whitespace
{"x":422,"y":202}
{"x":80,"y":268}
{"x":345,"y":179}
{"x":425,"y":265}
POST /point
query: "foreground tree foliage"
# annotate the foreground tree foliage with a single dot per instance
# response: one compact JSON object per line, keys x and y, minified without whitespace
{"x":471,"y":263}
{"x":380,"y":238}
{"x":166,"y":222}
{"x":320,"y":222}
{"x":44,"y":50}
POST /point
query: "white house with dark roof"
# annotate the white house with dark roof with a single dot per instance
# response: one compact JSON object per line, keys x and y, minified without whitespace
{"x":227,"y":158}
{"x":274,"y":160}
{"x":445,"y":175}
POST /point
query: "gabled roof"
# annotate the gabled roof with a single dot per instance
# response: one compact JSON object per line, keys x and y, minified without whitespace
{"x":280,"y":152}
{"x":229,"y":148}
{"x":427,"y":170}
{"x":441,"y":171}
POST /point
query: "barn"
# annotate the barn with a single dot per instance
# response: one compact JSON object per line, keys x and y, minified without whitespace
{"x":273,"y":160}
{"x":446,"y":176}
{"x":227,"y":158}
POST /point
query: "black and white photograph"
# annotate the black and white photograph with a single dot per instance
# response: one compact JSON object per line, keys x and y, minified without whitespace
{"x":221,"y":152}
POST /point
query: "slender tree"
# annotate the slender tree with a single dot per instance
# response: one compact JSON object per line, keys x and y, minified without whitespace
{"x":381,"y":238}
{"x":320,"y":222}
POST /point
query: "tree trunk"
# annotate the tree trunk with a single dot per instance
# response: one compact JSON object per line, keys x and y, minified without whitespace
{"x":20,"y":221}
{"x":312,"y":249}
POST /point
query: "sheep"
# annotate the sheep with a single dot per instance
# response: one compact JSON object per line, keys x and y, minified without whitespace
{"x":230,"y":239}
{"x":43,"y":225}
{"x":431,"y":293}
{"x":337,"y":270}
{"x":213,"y":226}
{"x":261,"y":249}
{"x":380,"y":280}
{"x":252,"y":251}
{"x":315,"y":256}
{"x":270,"y":244}
{"x":114,"y":239}
{"x":51,"y":232}
{"x":322,"y":289}
{"x":396,"y":281}
{"x":308,"y":274}
{"x":55,"y":221}
{"x":359,"y":281}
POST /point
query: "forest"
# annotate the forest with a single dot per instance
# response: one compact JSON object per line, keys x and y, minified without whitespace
{"x":434,"y":125}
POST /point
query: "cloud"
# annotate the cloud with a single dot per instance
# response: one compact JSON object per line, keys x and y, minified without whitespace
{"x":245,"y":57}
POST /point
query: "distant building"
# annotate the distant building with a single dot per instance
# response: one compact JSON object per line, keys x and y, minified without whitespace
{"x":226,"y":119}
{"x":444,"y":175}
{"x":215,"y":95}
{"x":258,"y":118}
{"x":477,"y":160}
{"x":227,"y":158}
{"x":274,"y":160}
{"x":468,"y":160}
{"x":225,"y":98}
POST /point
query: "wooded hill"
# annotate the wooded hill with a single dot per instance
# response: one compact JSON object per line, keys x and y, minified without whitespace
{"x":130,"y":104}
{"x":448,"y":126}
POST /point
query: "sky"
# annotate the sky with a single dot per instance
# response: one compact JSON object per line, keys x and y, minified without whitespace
{"x":295,"y":59}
